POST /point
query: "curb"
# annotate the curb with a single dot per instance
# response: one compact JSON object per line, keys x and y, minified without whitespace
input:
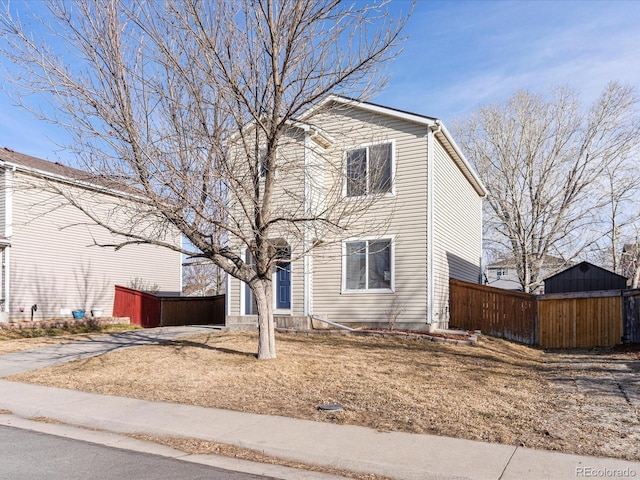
{"x":123,"y":442}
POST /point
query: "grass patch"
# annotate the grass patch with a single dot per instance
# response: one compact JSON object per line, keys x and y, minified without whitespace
{"x":19,"y":333}
{"x":496,"y":391}
{"x":16,"y":340}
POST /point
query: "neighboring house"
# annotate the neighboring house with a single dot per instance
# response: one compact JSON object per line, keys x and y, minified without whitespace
{"x":504,"y":273}
{"x":423,"y":226}
{"x":51,"y":264}
{"x":584,"y":277}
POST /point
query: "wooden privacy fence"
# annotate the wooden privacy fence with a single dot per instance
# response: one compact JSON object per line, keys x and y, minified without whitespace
{"x":192,"y":310}
{"x":580,"y":319}
{"x":631,"y":316}
{"x":497,"y":312}
{"x":148,"y":310}
{"x":567,"y":320}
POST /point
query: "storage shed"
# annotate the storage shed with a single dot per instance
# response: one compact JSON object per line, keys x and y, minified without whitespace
{"x":584,"y":277}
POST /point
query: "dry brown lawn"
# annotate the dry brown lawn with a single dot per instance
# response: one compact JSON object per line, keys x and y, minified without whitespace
{"x":495,"y":391}
{"x":27,"y":339}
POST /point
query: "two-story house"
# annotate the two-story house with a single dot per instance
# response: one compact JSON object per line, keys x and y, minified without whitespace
{"x":418,"y":220}
{"x":51,"y":261}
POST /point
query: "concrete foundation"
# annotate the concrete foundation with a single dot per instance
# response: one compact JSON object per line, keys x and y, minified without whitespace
{"x":250,"y":323}
{"x":242,"y":323}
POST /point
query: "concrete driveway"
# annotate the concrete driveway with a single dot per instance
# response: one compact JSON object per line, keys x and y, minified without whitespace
{"x":599,"y":389}
{"x":613,"y":373}
{"x":18,"y":362}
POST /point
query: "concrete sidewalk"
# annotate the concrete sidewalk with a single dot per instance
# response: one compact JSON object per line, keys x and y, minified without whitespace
{"x":392,"y":454}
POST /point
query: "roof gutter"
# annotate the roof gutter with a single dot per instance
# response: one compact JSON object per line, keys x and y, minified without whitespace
{"x":316,"y":134}
{"x":68,"y":180}
{"x":477,"y":183}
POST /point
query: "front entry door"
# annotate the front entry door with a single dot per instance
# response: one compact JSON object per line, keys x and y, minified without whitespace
{"x":283,"y":285}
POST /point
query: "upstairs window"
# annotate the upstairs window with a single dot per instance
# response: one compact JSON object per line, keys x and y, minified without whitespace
{"x":262,"y":158}
{"x":369,"y":170}
{"x":260,"y":162}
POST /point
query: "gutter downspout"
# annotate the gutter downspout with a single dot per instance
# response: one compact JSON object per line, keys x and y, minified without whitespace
{"x":433,"y":129}
{"x":307,"y":303}
{"x":334,"y":324}
{"x":8,"y":232}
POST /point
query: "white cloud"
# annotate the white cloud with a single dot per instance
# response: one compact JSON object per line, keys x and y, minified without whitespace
{"x":488,"y":50}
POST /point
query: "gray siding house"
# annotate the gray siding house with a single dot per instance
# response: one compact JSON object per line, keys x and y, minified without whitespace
{"x":48,"y":247}
{"x":422,"y":226}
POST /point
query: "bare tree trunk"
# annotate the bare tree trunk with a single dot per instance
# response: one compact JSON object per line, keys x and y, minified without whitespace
{"x":266,"y":323}
{"x":176,"y":101}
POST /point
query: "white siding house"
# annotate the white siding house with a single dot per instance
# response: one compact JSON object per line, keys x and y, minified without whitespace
{"x":422,"y":225}
{"x":504,"y":273}
{"x":49,"y":254}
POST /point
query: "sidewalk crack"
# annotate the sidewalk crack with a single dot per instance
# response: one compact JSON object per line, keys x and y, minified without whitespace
{"x":507,"y":464}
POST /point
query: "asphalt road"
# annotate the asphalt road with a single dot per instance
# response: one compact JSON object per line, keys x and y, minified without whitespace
{"x":28,"y":455}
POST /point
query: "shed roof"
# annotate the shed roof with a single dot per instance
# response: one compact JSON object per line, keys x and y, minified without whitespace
{"x":584,"y":277}
{"x":584,"y":266}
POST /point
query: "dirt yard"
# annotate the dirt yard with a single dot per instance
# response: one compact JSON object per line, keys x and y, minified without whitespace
{"x":496,"y":391}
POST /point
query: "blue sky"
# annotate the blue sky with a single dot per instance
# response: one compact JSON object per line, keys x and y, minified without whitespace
{"x":460,"y":55}
{"x":463,"y":54}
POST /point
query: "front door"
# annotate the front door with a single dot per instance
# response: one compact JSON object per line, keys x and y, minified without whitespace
{"x":283,"y":278}
{"x":283,"y":285}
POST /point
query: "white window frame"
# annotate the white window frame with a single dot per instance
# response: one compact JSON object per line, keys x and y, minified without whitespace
{"x":502,"y":272}
{"x":274,"y":286}
{"x":262,"y":169}
{"x":392,"y":254}
{"x":392,"y":190}
{"x":243,"y":287}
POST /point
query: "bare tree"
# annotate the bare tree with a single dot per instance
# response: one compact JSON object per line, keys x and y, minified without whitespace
{"x":190,"y":103}
{"x":540,"y":160}
{"x":143,"y":285}
{"x":202,"y":278}
{"x":393,"y":311}
{"x":620,"y":206}
{"x":630,"y":261}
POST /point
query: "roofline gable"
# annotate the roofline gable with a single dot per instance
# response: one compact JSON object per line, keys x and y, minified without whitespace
{"x":440,"y":130}
{"x":591,"y":265}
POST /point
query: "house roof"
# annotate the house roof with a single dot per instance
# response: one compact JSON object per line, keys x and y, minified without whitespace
{"x":510,"y":262}
{"x":59,"y":171}
{"x":435,"y":124}
{"x":20,"y":159}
